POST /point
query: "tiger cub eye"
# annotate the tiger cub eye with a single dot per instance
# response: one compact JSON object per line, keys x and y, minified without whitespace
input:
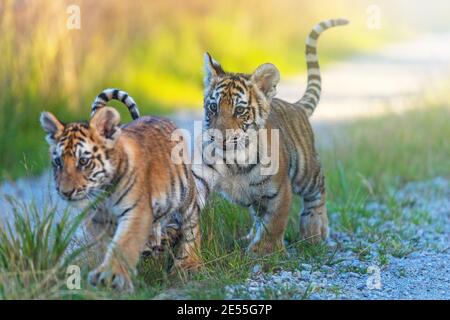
{"x":240,"y":111}
{"x":83,"y":161}
{"x":213,"y":107}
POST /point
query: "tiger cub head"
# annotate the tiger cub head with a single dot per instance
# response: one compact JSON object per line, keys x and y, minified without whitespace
{"x":83,"y":156}
{"x":236,"y":102}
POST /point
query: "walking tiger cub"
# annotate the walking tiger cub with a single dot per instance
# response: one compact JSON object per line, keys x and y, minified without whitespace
{"x":236,"y":104}
{"x":148,"y":198}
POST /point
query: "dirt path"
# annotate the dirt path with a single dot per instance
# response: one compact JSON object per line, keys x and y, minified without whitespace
{"x":385,"y":81}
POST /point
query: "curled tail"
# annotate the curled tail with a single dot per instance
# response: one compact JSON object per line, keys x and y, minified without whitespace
{"x":311,"y":96}
{"x":115,"y":94}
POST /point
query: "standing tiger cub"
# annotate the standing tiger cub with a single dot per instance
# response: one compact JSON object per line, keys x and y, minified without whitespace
{"x":236,"y":104}
{"x":147,"y":197}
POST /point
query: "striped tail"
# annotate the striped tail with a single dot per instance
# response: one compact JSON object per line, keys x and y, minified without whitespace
{"x":311,"y":96}
{"x":115,"y":94}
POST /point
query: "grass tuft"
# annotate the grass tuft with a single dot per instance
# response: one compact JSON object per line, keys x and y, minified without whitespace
{"x":35,"y":251}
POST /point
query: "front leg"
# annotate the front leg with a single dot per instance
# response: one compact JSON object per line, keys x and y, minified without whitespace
{"x":255,"y":220}
{"x":122,"y":256}
{"x":269,"y":230}
{"x":99,"y":229}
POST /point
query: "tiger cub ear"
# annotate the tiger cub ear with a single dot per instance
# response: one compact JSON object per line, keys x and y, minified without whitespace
{"x":51,"y":125}
{"x":266,"y":78}
{"x":212,"y":70}
{"x":106,"y":121}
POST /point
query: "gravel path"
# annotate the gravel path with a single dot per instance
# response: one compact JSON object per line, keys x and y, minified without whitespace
{"x":422,"y":272}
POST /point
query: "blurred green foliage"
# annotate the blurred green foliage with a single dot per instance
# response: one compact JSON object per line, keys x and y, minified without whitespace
{"x":152,"y":49}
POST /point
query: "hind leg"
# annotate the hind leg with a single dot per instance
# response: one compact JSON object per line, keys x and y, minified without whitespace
{"x":188,"y":253}
{"x":314,"y":219}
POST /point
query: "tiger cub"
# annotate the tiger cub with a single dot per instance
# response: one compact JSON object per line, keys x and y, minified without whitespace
{"x":147,"y":196}
{"x":236,"y":105}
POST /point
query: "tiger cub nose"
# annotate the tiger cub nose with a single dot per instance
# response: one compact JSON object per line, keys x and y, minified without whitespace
{"x":67,"y":194}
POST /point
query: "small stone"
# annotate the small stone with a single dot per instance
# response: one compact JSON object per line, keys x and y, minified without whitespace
{"x":305,"y":266}
{"x":353,"y":274}
{"x":253,"y":289}
{"x":278,"y":280}
{"x":256,"y":269}
{"x":305,"y":275}
{"x":326,"y":268}
{"x":361,"y":286}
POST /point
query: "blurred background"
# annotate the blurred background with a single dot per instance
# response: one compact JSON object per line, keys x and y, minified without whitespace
{"x":154,"y":50}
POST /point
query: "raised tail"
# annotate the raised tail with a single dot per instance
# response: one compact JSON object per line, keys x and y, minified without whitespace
{"x":311,"y":96}
{"x":115,"y":94}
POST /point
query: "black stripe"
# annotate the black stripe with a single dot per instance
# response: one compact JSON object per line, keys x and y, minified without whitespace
{"x":221,"y":85}
{"x":246,"y":169}
{"x":311,"y":49}
{"x":181,"y":181}
{"x":203,"y":181}
{"x":117,"y":179}
{"x":98,"y":172}
{"x":313,"y":77}
{"x":271,"y":196}
{"x":211,"y":167}
{"x":103,"y":96}
{"x":171,"y":193}
{"x":261,"y":182}
{"x":313,"y":34}
{"x":312,"y":65}
{"x":239,"y":88}
{"x":294,"y":162}
{"x":130,"y":184}
{"x":134,"y":113}
{"x":260,"y":111}
{"x":312,"y":85}
{"x":127,"y":210}
{"x":313,"y":93}
{"x":309,"y":106}
{"x":115,"y":94}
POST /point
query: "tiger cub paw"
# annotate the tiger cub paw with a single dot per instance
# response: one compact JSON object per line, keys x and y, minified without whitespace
{"x":262,"y":248}
{"x":115,"y":278}
{"x":314,"y":227}
{"x":187,"y":265}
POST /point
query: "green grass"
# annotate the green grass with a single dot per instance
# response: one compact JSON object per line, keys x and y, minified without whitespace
{"x":34,"y":251}
{"x":377,"y":157}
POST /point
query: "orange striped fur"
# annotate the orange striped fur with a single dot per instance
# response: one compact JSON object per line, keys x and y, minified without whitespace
{"x":147,"y":198}
{"x":245,"y":102}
